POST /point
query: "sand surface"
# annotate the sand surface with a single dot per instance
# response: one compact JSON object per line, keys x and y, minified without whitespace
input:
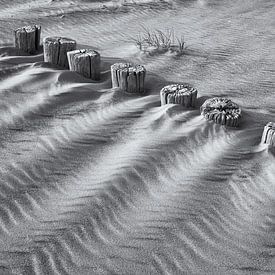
{"x":94,"y":181}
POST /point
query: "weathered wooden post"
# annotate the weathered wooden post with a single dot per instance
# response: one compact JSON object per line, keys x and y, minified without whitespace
{"x":222,"y":111}
{"x":27,"y":39}
{"x":56,"y":48}
{"x":85,"y":62}
{"x":179,"y":94}
{"x":268,"y":136}
{"x":129,"y":78}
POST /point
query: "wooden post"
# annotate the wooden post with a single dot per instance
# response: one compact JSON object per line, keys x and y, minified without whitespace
{"x":179,"y":94}
{"x":222,"y":111}
{"x":129,"y":78}
{"x":85,"y":62}
{"x":56,"y":48}
{"x":268,"y":136}
{"x":27,"y":39}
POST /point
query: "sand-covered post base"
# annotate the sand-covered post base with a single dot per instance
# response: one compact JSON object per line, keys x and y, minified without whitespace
{"x":179,"y":94}
{"x":27,"y":39}
{"x":268,"y":136}
{"x":56,"y":48}
{"x":85,"y":62}
{"x":222,"y":111}
{"x":129,"y":78}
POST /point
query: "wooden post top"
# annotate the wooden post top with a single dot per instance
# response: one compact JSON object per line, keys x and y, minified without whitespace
{"x":179,"y":89}
{"x":29,"y":28}
{"x":221,"y":104}
{"x":89,"y":52}
{"x":128,"y":67}
{"x":58,"y":39}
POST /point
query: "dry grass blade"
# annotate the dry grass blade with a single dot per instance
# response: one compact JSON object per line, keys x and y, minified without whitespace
{"x":181,"y":43}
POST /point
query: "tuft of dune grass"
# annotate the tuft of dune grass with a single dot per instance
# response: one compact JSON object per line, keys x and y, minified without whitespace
{"x":159,"y":41}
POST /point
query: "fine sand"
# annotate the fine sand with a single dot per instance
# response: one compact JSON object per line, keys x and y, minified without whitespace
{"x":96,"y":181}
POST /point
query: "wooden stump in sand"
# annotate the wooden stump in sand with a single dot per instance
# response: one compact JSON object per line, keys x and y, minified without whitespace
{"x":56,"y":48}
{"x":129,"y":78}
{"x":27,"y":39}
{"x":268,"y":136}
{"x":179,"y":94}
{"x":85,"y":62}
{"x":222,"y":111}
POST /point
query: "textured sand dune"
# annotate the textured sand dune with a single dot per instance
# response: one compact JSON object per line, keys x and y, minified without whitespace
{"x":95,"y":181}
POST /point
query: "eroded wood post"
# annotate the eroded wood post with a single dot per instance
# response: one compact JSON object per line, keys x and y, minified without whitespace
{"x":222,"y":111}
{"x":85,"y":62}
{"x":129,"y":78}
{"x":27,"y":39}
{"x":179,"y":94}
{"x":56,"y":48}
{"x":268,"y":136}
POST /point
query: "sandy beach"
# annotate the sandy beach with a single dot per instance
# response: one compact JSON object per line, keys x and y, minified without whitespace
{"x":97,"y":181}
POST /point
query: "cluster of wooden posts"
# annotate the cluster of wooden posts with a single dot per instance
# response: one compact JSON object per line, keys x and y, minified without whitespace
{"x":61,"y":51}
